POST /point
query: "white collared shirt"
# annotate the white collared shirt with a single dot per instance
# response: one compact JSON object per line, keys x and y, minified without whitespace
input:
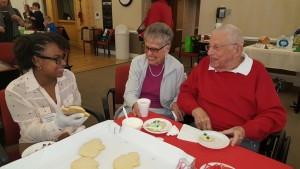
{"x":244,"y":68}
{"x":28,"y":102}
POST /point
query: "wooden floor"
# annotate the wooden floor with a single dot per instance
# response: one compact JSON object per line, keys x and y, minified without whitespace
{"x":88,"y":61}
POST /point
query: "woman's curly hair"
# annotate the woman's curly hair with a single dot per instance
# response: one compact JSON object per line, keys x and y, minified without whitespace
{"x":33,"y":45}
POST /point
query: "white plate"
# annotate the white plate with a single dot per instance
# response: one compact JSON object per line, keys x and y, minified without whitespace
{"x":163,"y":130}
{"x":213,"y":163}
{"x":220,"y":140}
{"x":36,"y":147}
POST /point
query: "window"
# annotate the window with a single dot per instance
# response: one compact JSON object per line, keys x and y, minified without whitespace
{"x":65,"y":9}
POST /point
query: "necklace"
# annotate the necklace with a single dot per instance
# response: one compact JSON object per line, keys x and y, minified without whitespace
{"x":158,"y":73}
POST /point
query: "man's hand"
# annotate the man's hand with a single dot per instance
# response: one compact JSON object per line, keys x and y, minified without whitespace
{"x":237,"y":133}
{"x":202,"y":120}
{"x":177,"y":111}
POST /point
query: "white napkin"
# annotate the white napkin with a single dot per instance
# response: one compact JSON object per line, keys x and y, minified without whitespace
{"x":189,"y":133}
{"x":173,"y":131}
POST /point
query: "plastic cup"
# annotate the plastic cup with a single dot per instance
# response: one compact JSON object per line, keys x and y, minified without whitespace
{"x":143,"y":105}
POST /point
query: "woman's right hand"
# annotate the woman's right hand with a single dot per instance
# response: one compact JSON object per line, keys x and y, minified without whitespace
{"x":63,"y":121}
{"x":63,"y":135}
{"x":135,"y":110}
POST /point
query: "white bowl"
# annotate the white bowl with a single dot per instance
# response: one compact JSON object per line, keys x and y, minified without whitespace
{"x":133,"y":122}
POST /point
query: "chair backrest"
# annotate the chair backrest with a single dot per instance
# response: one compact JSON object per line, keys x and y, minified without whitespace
{"x":11,"y":129}
{"x":120,"y":82}
{"x":7,"y":55}
{"x":63,"y":32}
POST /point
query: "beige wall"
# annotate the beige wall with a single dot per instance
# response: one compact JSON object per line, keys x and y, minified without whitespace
{"x":255,"y":17}
{"x":130,"y":16}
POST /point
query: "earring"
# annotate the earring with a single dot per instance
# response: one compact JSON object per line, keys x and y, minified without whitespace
{"x":39,"y":67}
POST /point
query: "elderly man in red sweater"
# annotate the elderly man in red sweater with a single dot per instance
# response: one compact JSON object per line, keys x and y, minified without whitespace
{"x":232,"y":93}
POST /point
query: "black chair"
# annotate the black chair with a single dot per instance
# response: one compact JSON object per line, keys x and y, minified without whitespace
{"x":276,"y":146}
{"x":285,"y":149}
{"x":98,"y":116}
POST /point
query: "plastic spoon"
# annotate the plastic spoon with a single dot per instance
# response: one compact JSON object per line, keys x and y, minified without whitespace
{"x":124,"y":110}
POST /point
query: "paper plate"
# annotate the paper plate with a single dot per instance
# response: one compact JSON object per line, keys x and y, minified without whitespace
{"x":36,"y":147}
{"x":208,"y":165}
{"x":165,"y":129}
{"x":220,"y":140}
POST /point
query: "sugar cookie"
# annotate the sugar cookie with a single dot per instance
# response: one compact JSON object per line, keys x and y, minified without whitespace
{"x":74,"y":109}
{"x":127,"y":161}
{"x":91,"y":148}
{"x":84,"y":163}
{"x":206,"y":137}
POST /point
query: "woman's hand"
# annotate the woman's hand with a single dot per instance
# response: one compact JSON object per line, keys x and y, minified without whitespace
{"x":63,"y":135}
{"x":237,"y":133}
{"x":136,"y":110}
{"x":178,"y":112}
{"x":202,"y":120}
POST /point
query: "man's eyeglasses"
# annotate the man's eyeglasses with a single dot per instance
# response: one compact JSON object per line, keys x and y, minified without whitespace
{"x":153,"y":50}
{"x":58,"y":59}
{"x":217,"y":47}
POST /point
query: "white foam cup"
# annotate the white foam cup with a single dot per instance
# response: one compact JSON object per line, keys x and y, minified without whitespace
{"x":143,"y":104}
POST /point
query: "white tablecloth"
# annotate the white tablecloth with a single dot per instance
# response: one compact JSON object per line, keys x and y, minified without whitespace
{"x":276,"y":58}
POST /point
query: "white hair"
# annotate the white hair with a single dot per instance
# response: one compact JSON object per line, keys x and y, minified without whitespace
{"x":234,"y":33}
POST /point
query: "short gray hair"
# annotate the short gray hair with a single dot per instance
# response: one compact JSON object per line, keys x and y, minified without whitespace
{"x":159,"y":30}
{"x":234,"y":33}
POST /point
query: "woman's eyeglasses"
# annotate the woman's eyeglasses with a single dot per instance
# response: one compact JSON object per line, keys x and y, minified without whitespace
{"x":58,"y":59}
{"x":217,"y":47}
{"x":153,"y":50}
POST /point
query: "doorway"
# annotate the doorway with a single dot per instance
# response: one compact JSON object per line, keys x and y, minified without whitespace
{"x":186,"y":19}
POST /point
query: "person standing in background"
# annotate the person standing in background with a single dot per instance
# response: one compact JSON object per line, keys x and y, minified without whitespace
{"x":38,"y":17}
{"x":160,"y":11}
{"x":27,"y":14}
{"x":12,"y":20}
{"x":50,"y":27}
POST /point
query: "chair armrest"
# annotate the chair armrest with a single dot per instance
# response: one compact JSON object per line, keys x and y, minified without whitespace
{"x":4,"y":159}
{"x":105,"y":104}
{"x":98,"y":116}
{"x":272,"y":145}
